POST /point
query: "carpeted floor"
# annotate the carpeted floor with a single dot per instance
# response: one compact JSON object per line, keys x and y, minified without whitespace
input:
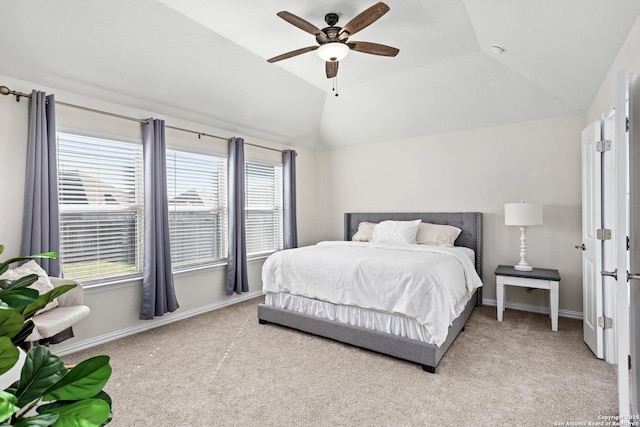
{"x":224,"y":369}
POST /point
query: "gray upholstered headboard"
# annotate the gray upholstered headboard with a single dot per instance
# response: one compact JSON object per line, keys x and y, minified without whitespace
{"x":469,"y":222}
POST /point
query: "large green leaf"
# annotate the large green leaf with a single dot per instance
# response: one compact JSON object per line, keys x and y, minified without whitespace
{"x":103,"y":396}
{"x":45,"y":299}
{"x":42,"y":420}
{"x":21,"y":282}
{"x":9,"y":354}
{"x":85,"y":380}
{"x":10,"y":322}
{"x":7,"y":405}
{"x":19,"y":338}
{"x":40,"y":371}
{"x":5,"y":265}
{"x":83,"y":413}
{"x":19,"y":297}
{"x":51,"y":407}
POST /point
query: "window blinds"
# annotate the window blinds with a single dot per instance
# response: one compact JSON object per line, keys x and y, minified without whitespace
{"x":197,"y":208}
{"x":101,"y":199}
{"x":263,"y":206}
{"x":101,"y":217}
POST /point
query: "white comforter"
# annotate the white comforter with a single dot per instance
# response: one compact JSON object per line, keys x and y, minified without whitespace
{"x":425,"y":283}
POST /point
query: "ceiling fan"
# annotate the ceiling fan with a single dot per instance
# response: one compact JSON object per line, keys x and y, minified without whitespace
{"x":333,"y":44}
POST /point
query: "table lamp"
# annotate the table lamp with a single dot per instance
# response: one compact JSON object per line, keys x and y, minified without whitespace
{"x":523,"y":215}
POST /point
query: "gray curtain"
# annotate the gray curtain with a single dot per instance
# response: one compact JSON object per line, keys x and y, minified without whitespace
{"x":158,"y":293}
{"x":237,"y":280}
{"x":41,"y":222}
{"x":289,"y":202}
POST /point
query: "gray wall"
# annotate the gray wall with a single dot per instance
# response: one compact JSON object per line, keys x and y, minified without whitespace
{"x":477,"y":170}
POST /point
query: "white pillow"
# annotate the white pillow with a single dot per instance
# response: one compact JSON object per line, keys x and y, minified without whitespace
{"x":437,"y":234}
{"x":364,"y":233}
{"x":396,"y":232}
{"x":42,"y":285}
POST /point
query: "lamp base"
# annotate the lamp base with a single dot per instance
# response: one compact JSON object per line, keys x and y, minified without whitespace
{"x":523,"y":265}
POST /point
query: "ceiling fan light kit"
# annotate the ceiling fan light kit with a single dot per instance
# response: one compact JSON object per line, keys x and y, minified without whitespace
{"x":332,"y":40}
{"x":334,"y":51}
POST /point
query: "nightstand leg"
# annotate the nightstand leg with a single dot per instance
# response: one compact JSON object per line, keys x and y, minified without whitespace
{"x":500,"y":296}
{"x":553,"y":302}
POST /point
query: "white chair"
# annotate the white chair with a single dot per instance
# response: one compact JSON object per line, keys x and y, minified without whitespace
{"x":55,"y":325}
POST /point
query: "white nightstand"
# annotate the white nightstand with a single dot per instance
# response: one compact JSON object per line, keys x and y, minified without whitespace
{"x":539,"y":278}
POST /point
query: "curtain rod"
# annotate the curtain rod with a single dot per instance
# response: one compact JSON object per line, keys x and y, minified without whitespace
{"x":6,"y":91}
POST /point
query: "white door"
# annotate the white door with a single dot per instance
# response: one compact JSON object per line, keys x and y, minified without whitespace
{"x":609,"y":221}
{"x":592,"y":307}
{"x":617,"y":178}
{"x":617,"y":216}
{"x":634,"y":246}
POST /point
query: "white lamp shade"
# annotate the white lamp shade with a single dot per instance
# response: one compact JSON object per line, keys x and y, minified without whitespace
{"x":523,"y":214}
{"x":333,"y":51}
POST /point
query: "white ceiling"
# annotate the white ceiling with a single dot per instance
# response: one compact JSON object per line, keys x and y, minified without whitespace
{"x":205,"y":60}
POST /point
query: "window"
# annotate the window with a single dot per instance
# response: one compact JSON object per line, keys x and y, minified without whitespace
{"x":197,"y":188}
{"x":263,"y":206}
{"x":101,"y":215}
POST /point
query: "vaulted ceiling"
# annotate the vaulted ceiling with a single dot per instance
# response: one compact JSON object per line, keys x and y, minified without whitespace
{"x":205,"y":60}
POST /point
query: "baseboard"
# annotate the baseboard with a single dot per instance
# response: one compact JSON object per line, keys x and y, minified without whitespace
{"x":535,"y":309}
{"x":61,"y":349}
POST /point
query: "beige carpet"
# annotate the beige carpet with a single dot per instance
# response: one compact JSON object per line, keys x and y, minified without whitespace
{"x":223,"y":368}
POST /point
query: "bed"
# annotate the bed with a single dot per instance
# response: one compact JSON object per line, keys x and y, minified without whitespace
{"x":405,"y":341}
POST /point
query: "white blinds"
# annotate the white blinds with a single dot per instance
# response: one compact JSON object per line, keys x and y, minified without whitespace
{"x":197,"y":208}
{"x":101,"y":217}
{"x":263,"y":205}
{"x":101,"y":207}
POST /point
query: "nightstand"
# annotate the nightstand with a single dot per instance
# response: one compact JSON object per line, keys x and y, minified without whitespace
{"x":539,"y":278}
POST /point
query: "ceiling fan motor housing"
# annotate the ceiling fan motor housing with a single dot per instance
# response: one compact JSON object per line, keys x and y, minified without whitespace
{"x":331,"y":35}
{"x":331,"y":32}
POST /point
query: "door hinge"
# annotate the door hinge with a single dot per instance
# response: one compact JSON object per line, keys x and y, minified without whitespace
{"x":627,"y":124}
{"x":602,"y":146}
{"x":628,"y":243}
{"x":603,"y":234}
{"x":605,"y":322}
{"x":629,"y":359}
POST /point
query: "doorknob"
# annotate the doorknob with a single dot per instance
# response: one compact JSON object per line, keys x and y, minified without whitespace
{"x":582,"y":247}
{"x":613,"y":273}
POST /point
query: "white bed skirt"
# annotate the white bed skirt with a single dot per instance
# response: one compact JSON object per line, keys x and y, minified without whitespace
{"x":378,"y":321}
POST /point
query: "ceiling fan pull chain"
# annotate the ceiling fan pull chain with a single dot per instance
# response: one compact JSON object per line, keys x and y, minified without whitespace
{"x":335,"y":85}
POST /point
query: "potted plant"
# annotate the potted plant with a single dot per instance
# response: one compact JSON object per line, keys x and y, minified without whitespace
{"x":47,"y":393}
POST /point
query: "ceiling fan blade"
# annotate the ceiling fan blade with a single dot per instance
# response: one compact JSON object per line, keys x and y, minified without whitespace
{"x":373,"y":48}
{"x":299,"y":22}
{"x":363,"y":20}
{"x":332,"y":69}
{"x":292,"y":53}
